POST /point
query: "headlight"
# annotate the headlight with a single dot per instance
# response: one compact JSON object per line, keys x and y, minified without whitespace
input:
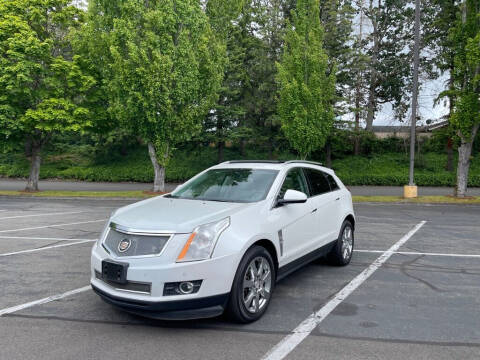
{"x":201,"y":242}
{"x":105,"y":229}
{"x":104,"y":233}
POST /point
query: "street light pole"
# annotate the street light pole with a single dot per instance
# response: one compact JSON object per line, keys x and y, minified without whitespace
{"x":411,"y":190}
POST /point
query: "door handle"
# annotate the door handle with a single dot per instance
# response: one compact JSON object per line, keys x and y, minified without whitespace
{"x":337,"y":199}
{"x":314,"y":210}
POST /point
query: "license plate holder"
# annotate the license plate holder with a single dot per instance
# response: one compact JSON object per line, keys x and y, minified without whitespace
{"x":114,"y":271}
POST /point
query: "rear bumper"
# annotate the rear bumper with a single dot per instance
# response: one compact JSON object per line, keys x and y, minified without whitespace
{"x":198,"y":308}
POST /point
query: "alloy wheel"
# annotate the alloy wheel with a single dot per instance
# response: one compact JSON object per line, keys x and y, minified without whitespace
{"x":257,"y":285}
{"x":347,"y":242}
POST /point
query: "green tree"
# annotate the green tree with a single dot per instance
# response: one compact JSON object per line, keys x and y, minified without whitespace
{"x":95,"y":61}
{"x":389,"y":69}
{"x":336,"y":17}
{"x":438,"y":17}
{"x":263,"y":115}
{"x":466,"y":114}
{"x":41,"y":82}
{"x":306,"y":86}
{"x":164,"y":68}
{"x":229,"y":109}
{"x":246,"y":109}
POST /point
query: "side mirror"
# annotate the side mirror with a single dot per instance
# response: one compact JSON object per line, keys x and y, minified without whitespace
{"x":292,"y":197}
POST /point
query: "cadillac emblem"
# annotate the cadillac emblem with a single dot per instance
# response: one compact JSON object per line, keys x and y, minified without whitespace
{"x":124,"y":245}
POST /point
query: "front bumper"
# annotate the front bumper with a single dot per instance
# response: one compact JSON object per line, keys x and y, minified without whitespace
{"x":217,"y":276}
{"x":170,"y":310}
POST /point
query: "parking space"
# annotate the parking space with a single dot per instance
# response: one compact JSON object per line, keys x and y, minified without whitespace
{"x":420,"y":301}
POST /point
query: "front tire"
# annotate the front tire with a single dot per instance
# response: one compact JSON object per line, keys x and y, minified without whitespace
{"x":341,"y":254}
{"x":253,"y":286}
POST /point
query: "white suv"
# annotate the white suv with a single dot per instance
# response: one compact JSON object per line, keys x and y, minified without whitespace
{"x":221,"y":240}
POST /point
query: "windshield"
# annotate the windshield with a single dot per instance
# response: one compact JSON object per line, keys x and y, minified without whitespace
{"x":229,"y":185}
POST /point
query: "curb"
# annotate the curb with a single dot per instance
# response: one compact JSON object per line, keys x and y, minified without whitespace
{"x":103,"y":198}
{"x":99,"y":198}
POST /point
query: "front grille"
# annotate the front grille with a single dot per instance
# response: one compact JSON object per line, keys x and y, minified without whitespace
{"x":134,"y":244}
{"x":132,"y":286}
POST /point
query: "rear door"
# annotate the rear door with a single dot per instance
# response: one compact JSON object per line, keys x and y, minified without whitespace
{"x":325,"y":201}
{"x":337,"y":195}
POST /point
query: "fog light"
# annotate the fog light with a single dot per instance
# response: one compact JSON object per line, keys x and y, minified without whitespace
{"x":182,"y":288}
{"x":186,"y":287}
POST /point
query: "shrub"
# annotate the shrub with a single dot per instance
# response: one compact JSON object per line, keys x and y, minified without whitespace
{"x":78,"y":161}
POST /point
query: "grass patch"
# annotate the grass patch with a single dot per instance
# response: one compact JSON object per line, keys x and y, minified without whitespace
{"x":421,"y":199}
{"x":146,"y":194}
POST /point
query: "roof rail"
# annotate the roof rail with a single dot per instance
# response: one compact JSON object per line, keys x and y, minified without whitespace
{"x":255,"y":161}
{"x":272,"y":162}
{"x":303,"y":162}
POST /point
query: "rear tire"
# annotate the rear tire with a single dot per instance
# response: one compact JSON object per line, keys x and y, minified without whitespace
{"x":341,"y":253}
{"x":253,"y":286}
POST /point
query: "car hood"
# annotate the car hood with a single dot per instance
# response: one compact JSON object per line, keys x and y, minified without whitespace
{"x":173,"y":215}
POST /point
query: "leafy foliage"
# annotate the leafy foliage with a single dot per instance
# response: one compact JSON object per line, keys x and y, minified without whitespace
{"x":307,"y":88}
{"x":466,"y":40}
{"x":163,"y":67}
{"x":41,"y":83}
{"x":383,"y":167}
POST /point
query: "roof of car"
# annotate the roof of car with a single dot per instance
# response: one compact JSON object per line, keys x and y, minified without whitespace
{"x":271,"y":164}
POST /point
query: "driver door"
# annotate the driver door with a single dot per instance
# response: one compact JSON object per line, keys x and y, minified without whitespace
{"x":296,"y":221}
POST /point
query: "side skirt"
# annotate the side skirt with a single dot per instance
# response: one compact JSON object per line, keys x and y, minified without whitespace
{"x":304,"y":260}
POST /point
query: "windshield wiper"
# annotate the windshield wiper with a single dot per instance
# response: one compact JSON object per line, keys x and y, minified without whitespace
{"x":201,"y":199}
{"x":216,"y":200}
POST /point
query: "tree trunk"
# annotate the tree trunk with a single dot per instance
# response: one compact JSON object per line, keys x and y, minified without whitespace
{"x":242,"y":147}
{"x":358,"y":89}
{"x":328,"y":155}
{"x":464,"y":153}
{"x":32,"y":183}
{"x":159,"y":180}
{"x":221,"y":147}
{"x":449,"y":165}
{"x":372,"y":95}
{"x":451,"y":99}
{"x":356,"y":137}
{"x":371,"y":104}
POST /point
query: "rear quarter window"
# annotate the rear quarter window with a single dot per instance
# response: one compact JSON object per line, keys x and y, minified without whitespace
{"x":318,"y":181}
{"x":333,"y":184}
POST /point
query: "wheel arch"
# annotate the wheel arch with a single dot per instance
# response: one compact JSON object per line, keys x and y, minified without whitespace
{"x":270,"y":247}
{"x":351,"y":218}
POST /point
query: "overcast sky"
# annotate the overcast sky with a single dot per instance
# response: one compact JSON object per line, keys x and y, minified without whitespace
{"x":427,"y":110}
{"x":429,"y":90}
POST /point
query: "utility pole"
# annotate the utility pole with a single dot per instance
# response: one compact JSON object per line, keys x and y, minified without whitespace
{"x":358,"y":90}
{"x":411,"y":189}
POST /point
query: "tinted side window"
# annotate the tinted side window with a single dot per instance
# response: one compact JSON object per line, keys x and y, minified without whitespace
{"x":332,"y":182}
{"x":294,"y":181}
{"x":318,"y":182}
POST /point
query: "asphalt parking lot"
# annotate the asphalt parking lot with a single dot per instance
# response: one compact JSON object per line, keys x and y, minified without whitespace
{"x":411,"y":291}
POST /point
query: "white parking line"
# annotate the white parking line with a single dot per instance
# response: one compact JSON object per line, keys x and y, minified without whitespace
{"x":45,"y":214}
{"x":382,"y":218}
{"x":291,"y":341}
{"x":43,"y":238}
{"x":421,"y":253}
{"x":43,"y":301}
{"x":45,"y":248}
{"x":54,"y":225}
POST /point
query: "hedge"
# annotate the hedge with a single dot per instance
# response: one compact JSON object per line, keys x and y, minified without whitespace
{"x":390,"y":169}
